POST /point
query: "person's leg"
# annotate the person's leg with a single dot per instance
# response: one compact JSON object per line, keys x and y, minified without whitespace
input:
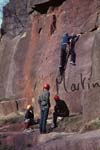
{"x":26,"y":125}
{"x":62,"y":60}
{"x":45,"y":120}
{"x":73,"y":56}
{"x":41,"y":120}
{"x":55,"y":115}
{"x":32,"y":122}
{"x":64,"y":114}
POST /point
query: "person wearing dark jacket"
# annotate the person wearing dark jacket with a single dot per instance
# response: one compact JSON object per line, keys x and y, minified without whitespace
{"x":60,"y":110}
{"x":63,"y":53}
{"x":72,"y":42}
{"x":44,"y":103}
{"x":29,"y":117}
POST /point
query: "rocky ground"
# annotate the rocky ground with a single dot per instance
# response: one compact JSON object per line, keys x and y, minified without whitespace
{"x":69,"y":132}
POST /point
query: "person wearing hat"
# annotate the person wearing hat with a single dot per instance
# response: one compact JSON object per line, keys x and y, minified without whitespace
{"x":44,"y":103}
{"x":60,"y":110}
{"x":29,"y":117}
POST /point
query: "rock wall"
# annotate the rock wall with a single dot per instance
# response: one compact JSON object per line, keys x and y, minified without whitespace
{"x":58,"y":141}
{"x":30,"y":59}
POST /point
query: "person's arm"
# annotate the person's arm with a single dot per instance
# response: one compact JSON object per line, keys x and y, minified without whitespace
{"x":65,"y":107}
{"x":39,"y":100}
{"x":56,"y":108}
{"x":31,"y":114}
{"x":70,"y":42}
{"x":77,"y":37}
{"x":49,"y":99}
{"x":49,"y":103}
{"x":26,"y":115}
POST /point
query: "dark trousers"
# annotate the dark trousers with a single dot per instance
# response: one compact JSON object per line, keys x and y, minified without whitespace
{"x":43,"y":120}
{"x":29,"y":123}
{"x":56,"y":114}
{"x":63,"y":56}
{"x":73,"y":55}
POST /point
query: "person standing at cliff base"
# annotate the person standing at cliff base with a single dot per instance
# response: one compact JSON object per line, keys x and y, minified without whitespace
{"x":60,"y":110}
{"x":44,"y":103}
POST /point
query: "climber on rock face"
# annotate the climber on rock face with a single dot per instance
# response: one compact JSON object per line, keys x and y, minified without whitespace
{"x":68,"y":46}
{"x":44,"y":103}
{"x":67,"y":50}
{"x":63,"y":53}
{"x":60,"y":110}
{"x":72,"y":41}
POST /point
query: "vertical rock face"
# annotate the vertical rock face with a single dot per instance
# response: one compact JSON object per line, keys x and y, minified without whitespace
{"x":15,"y":16}
{"x":30,"y":59}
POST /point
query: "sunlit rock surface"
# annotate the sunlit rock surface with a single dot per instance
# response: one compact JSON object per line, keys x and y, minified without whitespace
{"x":31,"y":58}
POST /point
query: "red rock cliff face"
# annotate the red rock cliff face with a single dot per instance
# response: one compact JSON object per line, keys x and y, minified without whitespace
{"x":31,"y":58}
